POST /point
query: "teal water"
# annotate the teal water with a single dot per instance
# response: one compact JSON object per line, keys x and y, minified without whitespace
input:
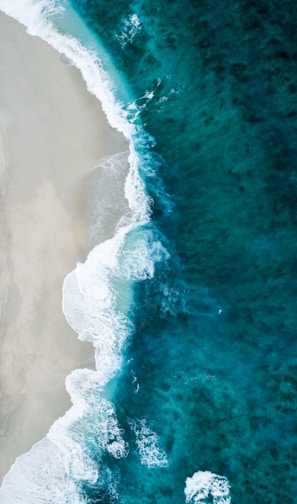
{"x":207,"y":381}
{"x":214,"y":350}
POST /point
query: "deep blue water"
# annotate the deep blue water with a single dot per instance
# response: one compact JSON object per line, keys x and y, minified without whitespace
{"x":210,"y":365}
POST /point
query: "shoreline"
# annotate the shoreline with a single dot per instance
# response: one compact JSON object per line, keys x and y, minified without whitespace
{"x":53,"y":133}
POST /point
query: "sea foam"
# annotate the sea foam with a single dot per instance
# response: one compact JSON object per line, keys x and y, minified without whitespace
{"x":204,"y":487}
{"x":130,"y":28}
{"x":147,"y":441}
{"x":30,"y":479}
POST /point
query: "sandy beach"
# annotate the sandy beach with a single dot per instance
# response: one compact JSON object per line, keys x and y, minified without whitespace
{"x":52,"y":134}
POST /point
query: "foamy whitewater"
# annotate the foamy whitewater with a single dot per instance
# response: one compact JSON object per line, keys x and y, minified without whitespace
{"x":191,"y":303}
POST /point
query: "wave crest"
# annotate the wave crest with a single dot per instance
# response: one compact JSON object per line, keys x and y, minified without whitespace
{"x":205,"y":487}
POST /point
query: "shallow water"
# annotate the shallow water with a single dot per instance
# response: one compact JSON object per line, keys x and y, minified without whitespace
{"x":207,"y":378}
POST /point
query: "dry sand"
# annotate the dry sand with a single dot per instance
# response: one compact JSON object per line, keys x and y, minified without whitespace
{"x":52,"y":132}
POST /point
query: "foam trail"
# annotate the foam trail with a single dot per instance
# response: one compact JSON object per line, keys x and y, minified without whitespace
{"x":131,"y":27}
{"x":150,"y":453}
{"x":205,"y":486}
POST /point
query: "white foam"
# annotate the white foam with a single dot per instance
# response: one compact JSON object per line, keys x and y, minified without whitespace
{"x":41,"y":477}
{"x":135,"y":108}
{"x":147,"y":441}
{"x":130,"y":28}
{"x":204,"y":485}
{"x":93,"y":303}
{"x":50,"y":471}
{"x":142,"y":253}
{"x":96,"y":295}
{"x":91,"y":418}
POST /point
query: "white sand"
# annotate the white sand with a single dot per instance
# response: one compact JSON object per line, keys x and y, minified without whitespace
{"x":52,"y":132}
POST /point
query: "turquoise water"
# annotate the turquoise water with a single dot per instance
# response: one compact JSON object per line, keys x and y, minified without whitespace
{"x":207,"y":380}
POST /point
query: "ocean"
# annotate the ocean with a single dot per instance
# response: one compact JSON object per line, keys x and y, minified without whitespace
{"x":191,"y":305}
